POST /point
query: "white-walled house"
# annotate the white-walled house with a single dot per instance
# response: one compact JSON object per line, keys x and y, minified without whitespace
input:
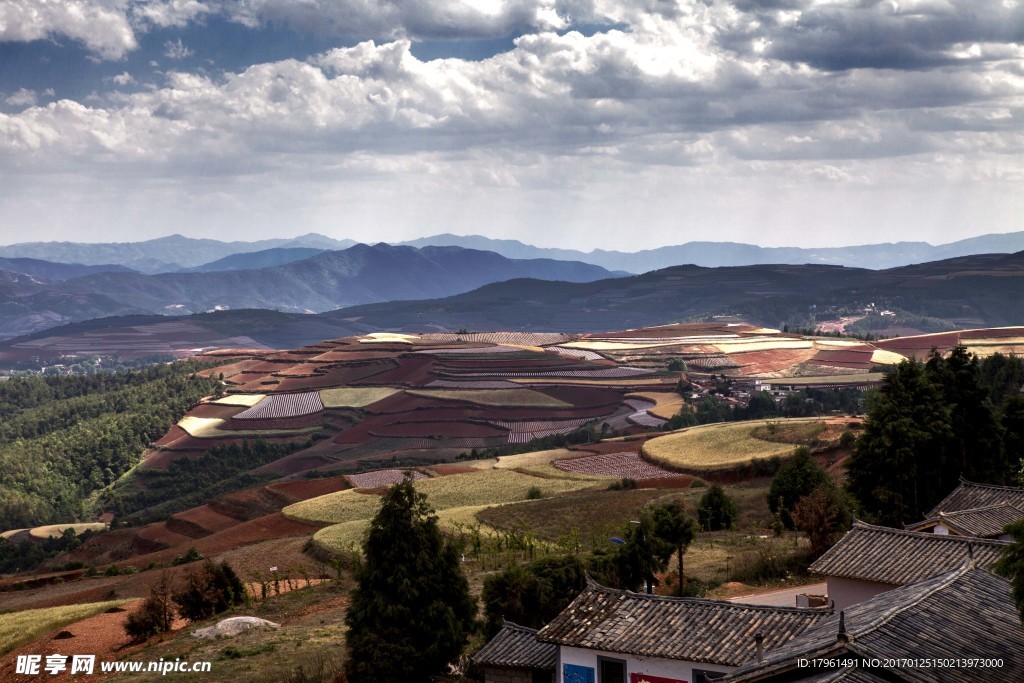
{"x":615,"y":636}
{"x":871,"y":559}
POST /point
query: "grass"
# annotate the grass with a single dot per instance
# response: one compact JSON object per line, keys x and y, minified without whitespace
{"x":717,"y":445}
{"x":457,"y":498}
{"x":354,"y":397}
{"x":55,"y":530}
{"x":494,"y":397}
{"x":208,"y":428}
{"x":18,"y":628}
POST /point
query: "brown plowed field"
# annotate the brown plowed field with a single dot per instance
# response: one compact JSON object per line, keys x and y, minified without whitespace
{"x":303,"y":489}
{"x":217,"y":411}
{"x":441,"y":429}
{"x":173,"y":434}
{"x":411,"y":370}
{"x":758,"y":362}
{"x":296,"y":462}
{"x":159,"y":533}
{"x":204,"y":518}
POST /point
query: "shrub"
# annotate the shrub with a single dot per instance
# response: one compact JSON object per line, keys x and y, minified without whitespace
{"x":191,"y":555}
{"x":534,"y":493}
{"x":847,"y":439}
{"x":717,"y":510}
{"x":624,"y":484}
{"x":209,"y":590}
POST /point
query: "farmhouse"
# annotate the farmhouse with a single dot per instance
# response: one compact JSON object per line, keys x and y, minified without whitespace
{"x":515,"y":655}
{"x":985,"y":522}
{"x":870,"y":560}
{"x":614,"y":636}
{"x":971,"y":496}
{"x":966,"y":613}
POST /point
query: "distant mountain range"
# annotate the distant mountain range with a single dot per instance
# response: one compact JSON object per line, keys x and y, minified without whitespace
{"x":176,"y":253}
{"x":972,"y":291}
{"x":162,"y":255}
{"x":326,"y":281}
{"x":717,"y":254}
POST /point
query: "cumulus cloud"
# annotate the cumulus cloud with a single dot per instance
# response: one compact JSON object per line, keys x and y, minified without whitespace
{"x":103,"y":27}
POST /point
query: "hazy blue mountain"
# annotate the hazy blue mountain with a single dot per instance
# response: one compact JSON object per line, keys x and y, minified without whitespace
{"x":334,"y":279}
{"x":266,"y":258}
{"x":164,"y":254}
{"x":48,"y":270}
{"x":716,"y":254}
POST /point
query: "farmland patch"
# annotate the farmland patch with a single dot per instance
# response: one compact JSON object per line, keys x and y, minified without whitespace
{"x":620,"y":465}
{"x":283,"y":405}
{"x":354,"y":397}
{"x":713,"y":446}
{"x":494,"y":397}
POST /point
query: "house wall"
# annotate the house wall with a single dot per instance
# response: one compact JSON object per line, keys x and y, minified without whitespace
{"x":846,"y":592}
{"x":667,"y":668}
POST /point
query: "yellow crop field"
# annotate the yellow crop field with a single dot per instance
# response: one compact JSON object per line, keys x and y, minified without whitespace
{"x":494,"y":397}
{"x":853,"y":378}
{"x":18,"y":628}
{"x":11,"y":532}
{"x":387,"y":338}
{"x":335,"y":508}
{"x":511,"y":462}
{"x":209,"y":428}
{"x":716,"y":445}
{"x":744,"y":345}
{"x":55,"y":530}
{"x":883,"y":357}
{"x":354,"y":397}
{"x":666,"y":403}
{"x":244,"y":400}
{"x":486,"y":487}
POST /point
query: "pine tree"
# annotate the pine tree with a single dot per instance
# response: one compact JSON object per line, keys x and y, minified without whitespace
{"x":411,"y":611}
{"x":677,"y":529}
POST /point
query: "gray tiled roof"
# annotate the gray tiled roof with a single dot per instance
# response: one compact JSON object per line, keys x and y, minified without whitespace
{"x":694,"y":629}
{"x":986,"y":522}
{"x":897,"y":557}
{"x":964,"y":613}
{"x":517,"y":647}
{"x":970,"y":495}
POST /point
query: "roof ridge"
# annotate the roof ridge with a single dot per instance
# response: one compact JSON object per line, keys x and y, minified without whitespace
{"x":983,"y":508}
{"x":713,"y":602}
{"x":924,"y":534}
{"x":505,"y":623}
{"x":950,"y":577}
{"x":964,"y":482}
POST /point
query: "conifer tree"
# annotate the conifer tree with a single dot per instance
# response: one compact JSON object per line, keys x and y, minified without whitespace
{"x":411,"y":611}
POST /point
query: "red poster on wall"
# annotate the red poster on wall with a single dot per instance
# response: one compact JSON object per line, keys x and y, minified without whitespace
{"x":647,"y":678}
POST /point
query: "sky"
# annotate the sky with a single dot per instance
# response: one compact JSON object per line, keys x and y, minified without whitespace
{"x":614,"y":124}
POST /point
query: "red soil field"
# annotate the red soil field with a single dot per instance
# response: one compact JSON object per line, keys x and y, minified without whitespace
{"x":992,"y":333}
{"x":300,"y":422}
{"x":411,"y":370}
{"x":215,"y":410}
{"x":173,"y":434}
{"x":446,"y":470}
{"x":757,"y":362}
{"x":296,"y":462}
{"x":429,"y":429}
{"x":345,"y":356}
{"x":203,"y":518}
{"x":303,"y":489}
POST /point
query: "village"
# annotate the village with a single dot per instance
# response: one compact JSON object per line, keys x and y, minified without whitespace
{"x":913,"y":604}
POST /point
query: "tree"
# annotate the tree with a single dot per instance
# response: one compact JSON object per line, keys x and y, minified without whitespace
{"x":209,"y":590}
{"x":823,"y":515}
{"x":411,"y":611}
{"x":975,"y":450}
{"x":761,"y":405}
{"x":532,"y":595}
{"x":797,"y":477}
{"x":155,"y":615}
{"x":896,"y":471}
{"x":1011,"y":564}
{"x":717,"y":510}
{"x":677,"y":529}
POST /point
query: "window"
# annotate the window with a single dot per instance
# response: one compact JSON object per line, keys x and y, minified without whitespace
{"x":611,"y":670}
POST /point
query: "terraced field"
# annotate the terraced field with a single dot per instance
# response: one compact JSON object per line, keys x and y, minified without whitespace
{"x":494,"y":397}
{"x":22,"y":627}
{"x":715,"y":446}
{"x":355,"y":397}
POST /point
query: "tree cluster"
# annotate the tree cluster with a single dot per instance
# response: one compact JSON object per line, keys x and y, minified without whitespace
{"x":63,"y":438}
{"x":533,"y":594}
{"x":210,"y":589}
{"x":930,"y":424}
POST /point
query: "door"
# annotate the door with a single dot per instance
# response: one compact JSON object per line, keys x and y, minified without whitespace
{"x":611,"y":670}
